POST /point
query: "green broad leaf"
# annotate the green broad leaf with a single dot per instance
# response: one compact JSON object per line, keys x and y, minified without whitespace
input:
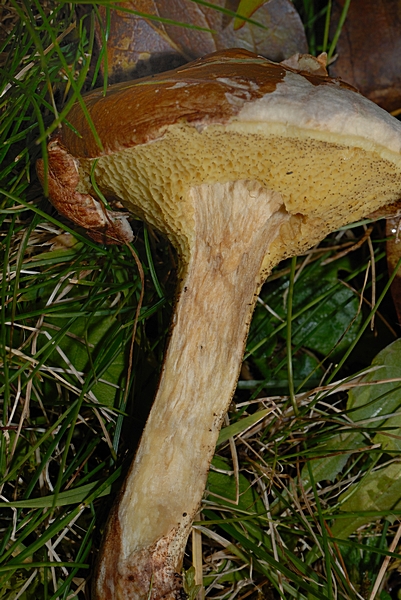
{"x":325,"y":322}
{"x":333,"y":321}
{"x":373,"y":401}
{"x":95,"y":348}
{"x":241,"y":425}
{"x":390,"y":440}
{"x":379,"y":490}
{"x":74,"y":496}
{"x":390,"y":398}
{"x":366,"y":404}
{"x":222,"y":488}
{"x":188,"y":580}
{"x":337,"y":451}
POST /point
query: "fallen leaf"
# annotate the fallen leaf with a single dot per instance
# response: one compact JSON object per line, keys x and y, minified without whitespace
{"x":369,"y":49}
{"x":182,"y":30}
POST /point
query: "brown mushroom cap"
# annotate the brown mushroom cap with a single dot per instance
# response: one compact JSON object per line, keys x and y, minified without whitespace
{"x":333,"y":155}
{"x":198,"y":92}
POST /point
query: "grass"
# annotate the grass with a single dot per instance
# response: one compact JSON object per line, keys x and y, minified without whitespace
{"x":303,"y":498}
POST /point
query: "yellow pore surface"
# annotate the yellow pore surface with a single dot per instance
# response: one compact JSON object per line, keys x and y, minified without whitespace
{"x":324,"y":185}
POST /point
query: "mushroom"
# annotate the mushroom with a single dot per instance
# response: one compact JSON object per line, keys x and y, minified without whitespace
{"x":241,"y":163}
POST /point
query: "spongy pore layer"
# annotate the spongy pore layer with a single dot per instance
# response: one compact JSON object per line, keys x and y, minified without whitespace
{"x":324,"y":184}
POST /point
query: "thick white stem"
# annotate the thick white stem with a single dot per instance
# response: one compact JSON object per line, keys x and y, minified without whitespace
{"x":235,"y":224}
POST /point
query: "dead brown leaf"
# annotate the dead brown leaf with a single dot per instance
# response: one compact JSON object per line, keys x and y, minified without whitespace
{"x":369,"y":49}
{"x":139,"y":46}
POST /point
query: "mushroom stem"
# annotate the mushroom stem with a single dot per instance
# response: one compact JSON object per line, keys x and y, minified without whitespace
{"x":234,"y":226}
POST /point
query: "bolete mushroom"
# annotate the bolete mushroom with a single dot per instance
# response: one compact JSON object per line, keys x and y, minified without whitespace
{"x":240,"y":162}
